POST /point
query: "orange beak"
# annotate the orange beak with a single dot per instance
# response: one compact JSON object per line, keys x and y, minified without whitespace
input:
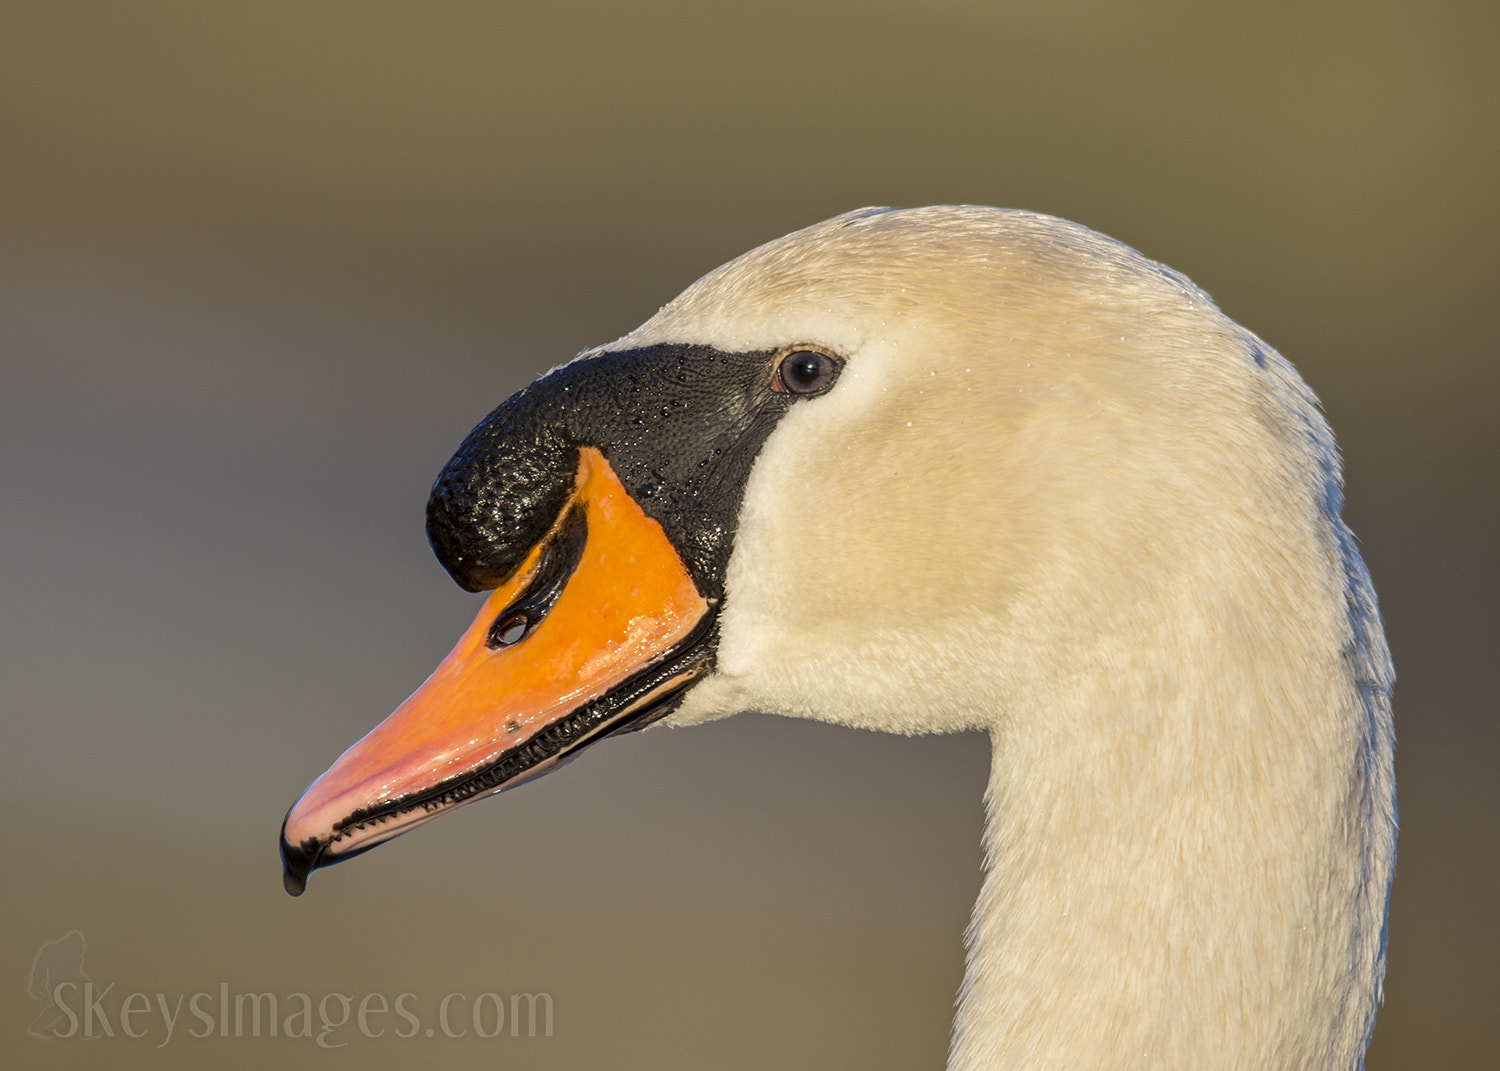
{"x":592,"y":634}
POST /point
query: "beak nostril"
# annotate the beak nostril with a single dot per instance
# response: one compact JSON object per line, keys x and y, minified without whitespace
{"x":559,"y":558}
{"x":509,"y":630}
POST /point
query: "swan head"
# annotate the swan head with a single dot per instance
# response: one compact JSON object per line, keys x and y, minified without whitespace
{"x":1015,"y":435}
{"x":927,"y":470}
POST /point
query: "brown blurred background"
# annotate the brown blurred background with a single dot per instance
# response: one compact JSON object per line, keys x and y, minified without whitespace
{"x":262,"y":266}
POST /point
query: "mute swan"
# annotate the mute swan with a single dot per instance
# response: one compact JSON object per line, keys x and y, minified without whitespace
{"x":941,"y":469}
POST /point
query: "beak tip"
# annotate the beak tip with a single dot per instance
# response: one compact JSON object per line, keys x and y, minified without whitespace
{"x":297,"y":862}
{"x":294,"y":883}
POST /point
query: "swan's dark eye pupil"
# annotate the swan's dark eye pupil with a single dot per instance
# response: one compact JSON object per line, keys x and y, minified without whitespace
{"x":807,"y":371}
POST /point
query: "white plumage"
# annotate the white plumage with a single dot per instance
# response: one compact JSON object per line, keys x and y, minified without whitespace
{"x":1058,"y":496}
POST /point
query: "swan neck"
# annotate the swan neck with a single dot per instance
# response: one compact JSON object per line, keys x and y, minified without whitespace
{"x":1178,"y":880}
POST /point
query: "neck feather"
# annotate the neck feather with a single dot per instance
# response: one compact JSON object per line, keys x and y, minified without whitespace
{"x":1191,"y":870}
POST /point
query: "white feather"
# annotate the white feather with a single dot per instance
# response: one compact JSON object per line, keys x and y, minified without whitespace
{"x":1056,"y":494}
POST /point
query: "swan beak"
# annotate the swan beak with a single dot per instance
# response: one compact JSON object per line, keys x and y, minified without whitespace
{"x":596,"y":632}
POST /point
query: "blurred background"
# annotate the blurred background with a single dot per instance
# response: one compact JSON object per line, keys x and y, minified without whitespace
{"x":261,"y":268}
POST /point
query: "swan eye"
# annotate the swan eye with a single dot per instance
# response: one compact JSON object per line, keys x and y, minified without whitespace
{"x":805,"y":372}
{"x":508,"y":630}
